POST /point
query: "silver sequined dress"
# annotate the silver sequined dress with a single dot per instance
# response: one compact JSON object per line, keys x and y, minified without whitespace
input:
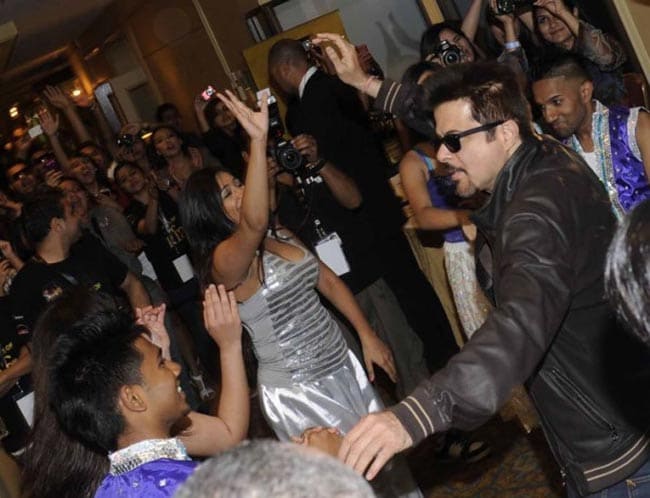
{"x":307,"y":376}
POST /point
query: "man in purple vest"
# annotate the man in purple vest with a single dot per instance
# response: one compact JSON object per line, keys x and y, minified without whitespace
{"x":614,"y":141}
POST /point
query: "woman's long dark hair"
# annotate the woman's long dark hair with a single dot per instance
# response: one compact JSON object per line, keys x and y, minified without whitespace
{"x":430,"y":39}
{"x":56,"y":465}
{"x":204,"y":220}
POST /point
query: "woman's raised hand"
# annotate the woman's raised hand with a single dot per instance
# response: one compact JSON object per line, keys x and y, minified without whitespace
{"x":256,"y":123}
{"x":221,"y":316}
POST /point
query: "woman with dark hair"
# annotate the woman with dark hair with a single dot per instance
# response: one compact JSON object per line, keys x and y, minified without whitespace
{"x":558,"y":25}
{"x":307,"y":376}
{"x":179,"y":159}
{"x":222,"y":134}
{"x":627,"y":273}
{"x":449,"y":32}
{"x":432,"y":196}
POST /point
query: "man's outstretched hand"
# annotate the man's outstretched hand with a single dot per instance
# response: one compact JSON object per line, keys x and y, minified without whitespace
{"x":344,"y":59}
{"x":372,"y":442}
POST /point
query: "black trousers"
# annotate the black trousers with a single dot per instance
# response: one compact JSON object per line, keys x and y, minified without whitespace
{"x":418,"y":300}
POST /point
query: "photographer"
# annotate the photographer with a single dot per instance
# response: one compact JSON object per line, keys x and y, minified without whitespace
{"x":558,"y":25}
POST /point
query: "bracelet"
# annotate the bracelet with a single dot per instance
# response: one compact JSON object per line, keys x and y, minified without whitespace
{"x":316,"y":166}
{"x":366,"y":84}
{"x":512,"y":45}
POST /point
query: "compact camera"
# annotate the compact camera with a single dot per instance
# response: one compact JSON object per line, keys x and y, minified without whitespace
{"x":283,"y":151}
{"x":509,"y":6}
{"x":208,"y":93}
{"x":448,"y":53}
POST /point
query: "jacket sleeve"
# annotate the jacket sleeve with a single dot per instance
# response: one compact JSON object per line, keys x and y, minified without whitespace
{"x":602,"y":49}
{"x":532,"y":292}
{"x":402,"y":100}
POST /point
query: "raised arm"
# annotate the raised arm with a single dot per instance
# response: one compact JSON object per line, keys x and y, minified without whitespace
{"x":207,"y":434}
{"x":232,"y":258}
{"x":50,"y":125}
{"x":472,"y":19}
{"x":59,"y":100}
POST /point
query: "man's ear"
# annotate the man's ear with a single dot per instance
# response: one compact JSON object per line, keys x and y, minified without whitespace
{"x":510,"y":131}
{"x":586,"y":91}
{"x":56,"y":224}
{"x":131,"y":398}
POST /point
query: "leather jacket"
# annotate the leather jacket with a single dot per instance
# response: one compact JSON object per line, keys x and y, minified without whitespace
{"x":543,"y":240}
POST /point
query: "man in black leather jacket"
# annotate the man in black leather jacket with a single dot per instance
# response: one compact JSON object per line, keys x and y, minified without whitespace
{"x":543,"y":237}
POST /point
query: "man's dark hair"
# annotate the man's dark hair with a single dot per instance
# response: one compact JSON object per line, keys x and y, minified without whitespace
{"x":89,"y":363}
{"x":491,"y":89}
{"x":37,"y":214}
{"x":556,"y":62}
{"x":627,"y":273}
{"x":164,"y":108}
{"x":287,"y":51}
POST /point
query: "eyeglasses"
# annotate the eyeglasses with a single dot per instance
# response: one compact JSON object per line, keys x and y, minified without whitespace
{"x":452,"y":140}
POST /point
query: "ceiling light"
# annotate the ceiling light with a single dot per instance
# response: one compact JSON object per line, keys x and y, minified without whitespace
{"x":13,"y":112}
{"x":75,"y":93}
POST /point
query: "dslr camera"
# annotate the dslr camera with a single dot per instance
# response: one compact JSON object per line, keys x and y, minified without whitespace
{"x":283,"y":151}
{"x":509,"y":6}
{"x":448,"y":53}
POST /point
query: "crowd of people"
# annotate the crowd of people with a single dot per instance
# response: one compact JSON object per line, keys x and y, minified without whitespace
{"x":138,"y":268}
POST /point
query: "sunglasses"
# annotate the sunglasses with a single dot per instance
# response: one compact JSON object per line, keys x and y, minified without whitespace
{"x":452,"y":140}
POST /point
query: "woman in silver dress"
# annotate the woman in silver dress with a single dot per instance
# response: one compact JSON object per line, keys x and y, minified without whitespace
{"x":307,"y":376}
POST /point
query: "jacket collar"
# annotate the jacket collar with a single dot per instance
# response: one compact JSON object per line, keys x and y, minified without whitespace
{"x":505,"y":185}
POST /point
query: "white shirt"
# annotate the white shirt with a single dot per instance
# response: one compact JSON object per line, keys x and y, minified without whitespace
{"x":303,"y":82}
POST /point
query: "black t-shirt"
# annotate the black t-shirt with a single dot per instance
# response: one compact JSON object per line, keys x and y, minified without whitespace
{"x":89,"y":264}
{"x":167,"y":244}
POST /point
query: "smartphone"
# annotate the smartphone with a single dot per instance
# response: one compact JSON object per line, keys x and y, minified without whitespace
{"x":208,"y":93}
{"x":35,"y":131}
{"x":265,"y":93}
{"x":49,"y":163}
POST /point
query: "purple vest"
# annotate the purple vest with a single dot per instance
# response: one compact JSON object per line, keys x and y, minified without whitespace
{"x":626,"y":170}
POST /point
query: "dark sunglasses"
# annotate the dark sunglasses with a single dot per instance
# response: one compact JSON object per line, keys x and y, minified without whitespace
{"x":452,"y":140}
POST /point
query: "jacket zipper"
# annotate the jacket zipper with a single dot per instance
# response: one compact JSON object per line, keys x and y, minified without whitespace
{"x":583,"y":403}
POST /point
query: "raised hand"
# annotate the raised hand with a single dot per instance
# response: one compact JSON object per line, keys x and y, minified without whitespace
{"x":345,"y":61}
{"x":555,"y":7}
{"x":375,"y":352}
{"x":153,"y":317}
{"x":256,"y":123}
{"x":49,"y":123}
{"x":221,"y":316}
{"x":53,"y":178}
{"x":56,"y":97}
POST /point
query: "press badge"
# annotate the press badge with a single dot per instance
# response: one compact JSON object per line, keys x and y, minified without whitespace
{"x":184,"y":268}
{"x":330,"y":252}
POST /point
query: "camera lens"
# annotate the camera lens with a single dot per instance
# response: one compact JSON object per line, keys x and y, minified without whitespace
{"x":450,"y":57}
{"x":289,"y":158}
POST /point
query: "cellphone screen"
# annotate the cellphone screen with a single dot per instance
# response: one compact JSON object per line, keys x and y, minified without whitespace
{"x":35,"y":131}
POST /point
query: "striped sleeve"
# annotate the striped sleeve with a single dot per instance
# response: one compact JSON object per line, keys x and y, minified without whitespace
{"x":392,"y":97}
{"x":413,"y":415}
